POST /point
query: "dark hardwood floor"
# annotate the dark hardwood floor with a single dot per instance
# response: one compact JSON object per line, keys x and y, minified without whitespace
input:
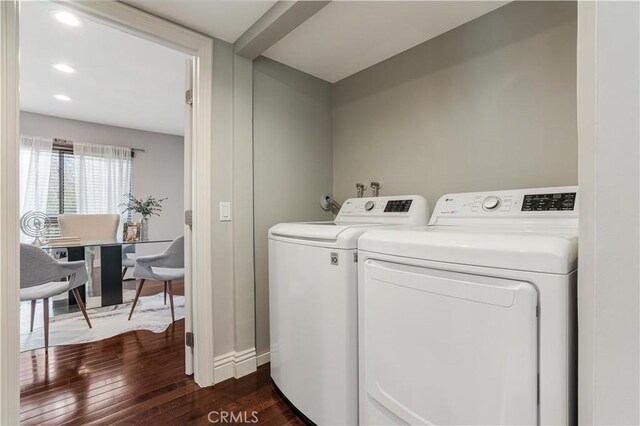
{"x":138,"y":377}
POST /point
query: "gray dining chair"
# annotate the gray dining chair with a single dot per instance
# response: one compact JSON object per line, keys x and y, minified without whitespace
{"x":42,"y":277}
{"x":166,"y":267}
{"x":128,"y":261}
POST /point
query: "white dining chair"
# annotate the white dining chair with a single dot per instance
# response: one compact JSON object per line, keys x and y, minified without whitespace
{"x":166,"y":267}
{"x":43,"y":277}
{"x":90,"y":227}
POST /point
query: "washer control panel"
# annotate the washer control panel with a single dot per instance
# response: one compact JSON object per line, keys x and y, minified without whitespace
{"x":398,"y":206}
{"x":409,"y":209}
{"x":491,"y":203}
{"x":516,"y":204}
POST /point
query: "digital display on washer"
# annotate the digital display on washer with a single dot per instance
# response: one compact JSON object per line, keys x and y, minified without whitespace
{"x":549,"y":202}
{"x":397,"y":206}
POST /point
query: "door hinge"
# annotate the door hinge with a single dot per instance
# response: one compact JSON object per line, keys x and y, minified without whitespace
{"x":188,"y":218}
{"x":188,"y":97}
{"x":355,"y":257}
{"x":188,"y":337}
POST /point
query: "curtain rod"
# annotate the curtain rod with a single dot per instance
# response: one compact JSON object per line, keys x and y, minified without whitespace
{"x":67,"y":144}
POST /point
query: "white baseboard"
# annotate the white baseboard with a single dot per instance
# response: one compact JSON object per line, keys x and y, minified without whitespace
{"x":245,"y":362}
{"x":263,"y":358}
{"x":234,"y":364}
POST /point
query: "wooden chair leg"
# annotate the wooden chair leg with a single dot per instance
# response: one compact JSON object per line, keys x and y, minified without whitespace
{"x":124,"y":272}
{"x":76,"y":293}
{"x":173,"y":316}
{"x":138,"y":291}
{"x":165,"y":292}
{"x":33,"y":313}
{"x":45,"y":309}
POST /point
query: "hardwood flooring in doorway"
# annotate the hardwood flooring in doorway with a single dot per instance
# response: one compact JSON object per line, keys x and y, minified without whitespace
{"x":137,"y":377}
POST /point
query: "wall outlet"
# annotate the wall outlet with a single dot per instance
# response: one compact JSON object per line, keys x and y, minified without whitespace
{"x":225,"y":211}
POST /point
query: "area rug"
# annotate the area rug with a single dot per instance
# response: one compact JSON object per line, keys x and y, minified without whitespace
{"x":151,"y":314}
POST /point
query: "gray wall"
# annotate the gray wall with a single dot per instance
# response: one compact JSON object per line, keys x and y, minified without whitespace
{"x":159,"y":171}
{"x":488,"y":105}
{"x":292,"y":162}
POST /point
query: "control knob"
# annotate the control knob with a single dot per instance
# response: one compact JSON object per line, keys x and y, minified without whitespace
{"x":369,"y":205}
{"x":491,"y":203}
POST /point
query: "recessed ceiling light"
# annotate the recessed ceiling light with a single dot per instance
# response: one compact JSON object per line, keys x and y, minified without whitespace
{"x":62,"y":98}
{"x":67,"y":18}
{"x":64,"y":68}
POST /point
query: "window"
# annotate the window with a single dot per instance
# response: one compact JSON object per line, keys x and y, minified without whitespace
{"x":57,"y":178}
{"x":61,"y":197}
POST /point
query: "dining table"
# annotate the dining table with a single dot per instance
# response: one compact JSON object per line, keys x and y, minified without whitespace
{"x":110,"y":265}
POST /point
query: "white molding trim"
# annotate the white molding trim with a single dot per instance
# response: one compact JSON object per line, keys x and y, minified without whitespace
{"x":235,"y":364}
{"x":188,"y":201}
{"x":245,"y":363}
{"x":167,"y":33}
{"x":264,"y":358}
{"x":223,"y":367}
{"x":9,"y":201}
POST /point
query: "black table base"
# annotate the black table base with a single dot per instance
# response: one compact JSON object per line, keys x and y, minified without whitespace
{"x":110,"y":274}
{"x":73,"y":254}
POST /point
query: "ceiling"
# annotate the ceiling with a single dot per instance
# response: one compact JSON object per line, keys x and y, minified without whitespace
{"x":126,"y":81}
{"x":345,"y":37}
{"x":223,"y":19}
{"x":120,"y":79}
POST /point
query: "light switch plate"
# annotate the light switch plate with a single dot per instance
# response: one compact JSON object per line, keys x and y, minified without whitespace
{"x":225,"y":211}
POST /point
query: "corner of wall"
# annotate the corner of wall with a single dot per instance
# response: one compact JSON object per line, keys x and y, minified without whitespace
{"x":234,"y":308}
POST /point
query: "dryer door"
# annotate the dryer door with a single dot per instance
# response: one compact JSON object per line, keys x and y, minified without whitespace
{"x":442,"y":347}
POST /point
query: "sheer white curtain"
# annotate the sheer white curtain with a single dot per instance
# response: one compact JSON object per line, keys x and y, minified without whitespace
{"x":35,"y":171}
{"x":102,"y":178}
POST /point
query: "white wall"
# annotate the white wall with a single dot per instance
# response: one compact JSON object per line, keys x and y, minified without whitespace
{"x":609,"y":264}
{"x":292,"y":162}
{"x":159,"y":171}
{"x":488,"y":105}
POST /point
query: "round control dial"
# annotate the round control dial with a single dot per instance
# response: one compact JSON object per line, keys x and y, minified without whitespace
{"x":369,"y":205}
{"x":491,"y":203}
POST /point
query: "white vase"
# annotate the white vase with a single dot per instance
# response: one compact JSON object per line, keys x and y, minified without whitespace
{"x":144,"y":229}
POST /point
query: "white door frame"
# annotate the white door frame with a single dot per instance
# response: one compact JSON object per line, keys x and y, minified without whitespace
{"x":149,"y":27}
{"x":9,"y":237}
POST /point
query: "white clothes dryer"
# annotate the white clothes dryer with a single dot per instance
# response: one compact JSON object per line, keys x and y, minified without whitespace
{"x":472,"y":320}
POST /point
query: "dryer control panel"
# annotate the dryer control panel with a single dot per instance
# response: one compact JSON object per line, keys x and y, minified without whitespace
{"x":520,"y":205}
{"x":557,"y":201}
{"x":402,"y":209}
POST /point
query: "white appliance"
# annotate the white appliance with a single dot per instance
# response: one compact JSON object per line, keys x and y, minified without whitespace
{"x":472,"y":320}
{"x":313,"y":304}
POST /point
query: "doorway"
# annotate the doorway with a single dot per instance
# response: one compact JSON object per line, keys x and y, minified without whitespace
{"x":102,"y":118}
{"x":197,"y":164}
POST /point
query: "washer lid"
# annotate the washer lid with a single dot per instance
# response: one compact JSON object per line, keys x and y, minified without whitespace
{"x":338,"y":235}
{"x":554,"y":253}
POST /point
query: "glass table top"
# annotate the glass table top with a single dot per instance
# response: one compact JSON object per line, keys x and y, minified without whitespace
{"x":99,"y":243}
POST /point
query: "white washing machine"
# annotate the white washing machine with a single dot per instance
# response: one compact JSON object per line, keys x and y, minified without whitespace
{"x":313,"y":304}
{"x":472,"y":320}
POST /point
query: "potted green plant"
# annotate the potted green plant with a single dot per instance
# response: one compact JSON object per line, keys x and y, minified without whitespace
{"x":146,"y":208}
